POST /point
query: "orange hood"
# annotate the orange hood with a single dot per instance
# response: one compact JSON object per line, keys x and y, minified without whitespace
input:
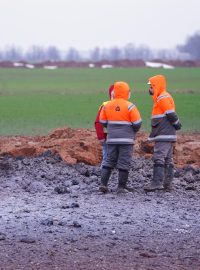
{"x":158,"y":83}
{"x":121,"y":90}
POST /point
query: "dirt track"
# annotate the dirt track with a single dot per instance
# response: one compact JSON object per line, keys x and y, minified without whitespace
{"x":53,"y":217}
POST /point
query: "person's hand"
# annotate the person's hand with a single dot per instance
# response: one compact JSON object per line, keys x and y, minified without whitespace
{"x":177,"y":126}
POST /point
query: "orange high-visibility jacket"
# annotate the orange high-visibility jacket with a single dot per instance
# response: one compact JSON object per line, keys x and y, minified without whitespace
{"x":164,"y":119}
{"x":120,"y":116}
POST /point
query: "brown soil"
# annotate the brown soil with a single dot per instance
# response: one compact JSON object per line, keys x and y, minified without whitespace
{"x":81,"y":145}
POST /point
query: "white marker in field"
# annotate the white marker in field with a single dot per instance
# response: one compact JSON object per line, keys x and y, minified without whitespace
{"x":158,"y":65}
{"x":168,"y":66}
{"x":50,"y":67}
{"x":16,"y":64}
{"x":30,"y":66}
{"x":107,"y":66}
{"x":91,"y":65}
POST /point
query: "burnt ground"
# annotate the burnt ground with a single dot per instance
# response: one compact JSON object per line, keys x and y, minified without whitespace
{"x":53,"y":217}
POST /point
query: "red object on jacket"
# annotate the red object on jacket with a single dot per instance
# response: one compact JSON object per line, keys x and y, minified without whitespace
{"x":101,"y":134}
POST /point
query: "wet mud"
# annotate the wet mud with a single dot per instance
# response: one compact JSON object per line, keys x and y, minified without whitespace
{"x":52,"y":216}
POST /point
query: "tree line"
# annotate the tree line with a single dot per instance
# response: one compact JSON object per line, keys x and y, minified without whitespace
{"x":190,"y":50}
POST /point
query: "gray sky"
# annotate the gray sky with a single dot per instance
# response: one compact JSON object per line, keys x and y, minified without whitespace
{"x":85,"y":24}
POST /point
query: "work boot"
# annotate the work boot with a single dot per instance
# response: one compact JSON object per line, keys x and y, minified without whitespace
{"x":158,"y":177}
{"x":122,"y":182}
{"x":169,"y":175}
{"x":105,"y":175}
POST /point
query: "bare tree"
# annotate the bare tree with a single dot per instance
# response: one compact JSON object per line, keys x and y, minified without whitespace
{"x":36,"y":54}
{"x":53,"y":54}
{"x":12,"y":54}
{"x":115,"y":53}
{"x":73,"y":55}
{"x":95,"y":54}
{"x":143,"y":52}
{"x":192,"y":46}
{"x":104,"y":54}
{"x":129,"y":52}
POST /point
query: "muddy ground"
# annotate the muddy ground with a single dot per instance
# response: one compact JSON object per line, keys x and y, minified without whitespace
{"x":52,"y":216}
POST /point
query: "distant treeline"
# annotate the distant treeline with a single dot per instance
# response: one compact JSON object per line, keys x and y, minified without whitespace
{"x":188,"y":51}
{"x":100,"y":64}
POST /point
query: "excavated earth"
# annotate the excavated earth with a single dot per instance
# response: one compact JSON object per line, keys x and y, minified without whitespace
{"x":52,"y":215}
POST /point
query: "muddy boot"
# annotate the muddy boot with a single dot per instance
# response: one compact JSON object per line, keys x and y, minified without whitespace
{"x":105,"y":175}
{"x":158,"y":177}
{"x":169,"y":175}
{"x":122,"y":182}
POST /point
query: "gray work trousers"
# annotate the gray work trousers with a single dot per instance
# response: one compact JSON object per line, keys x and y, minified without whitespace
{"x":163,"y":153}
{"x":119,"y":156}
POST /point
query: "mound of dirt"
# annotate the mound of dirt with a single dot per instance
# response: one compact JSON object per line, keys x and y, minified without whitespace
{"x":81,"y":145}
{"x":73,"y":145}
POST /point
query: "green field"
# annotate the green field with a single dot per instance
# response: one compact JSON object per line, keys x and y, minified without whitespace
{"x":37,"y":101}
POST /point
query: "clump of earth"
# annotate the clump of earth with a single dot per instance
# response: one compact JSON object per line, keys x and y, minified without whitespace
{"x":81,"y":145}
{"x":52,"y":215}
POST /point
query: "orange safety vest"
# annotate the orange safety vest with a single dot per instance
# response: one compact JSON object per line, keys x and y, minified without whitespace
{"x":163,"y":113}
{"x":120,"y":116}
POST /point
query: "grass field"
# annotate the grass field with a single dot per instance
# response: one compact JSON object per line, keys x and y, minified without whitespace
{"x":37,"y":101}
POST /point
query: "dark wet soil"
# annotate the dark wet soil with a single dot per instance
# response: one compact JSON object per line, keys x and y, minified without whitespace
{"x":52,"y":216}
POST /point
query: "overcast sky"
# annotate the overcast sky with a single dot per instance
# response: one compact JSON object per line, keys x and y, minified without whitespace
{"x":85,"y":24}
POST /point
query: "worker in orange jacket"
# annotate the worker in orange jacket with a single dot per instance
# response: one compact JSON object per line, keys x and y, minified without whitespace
{"x":122,"y":120}
{"x":164,"y":123}
{"x":100,"y":130}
